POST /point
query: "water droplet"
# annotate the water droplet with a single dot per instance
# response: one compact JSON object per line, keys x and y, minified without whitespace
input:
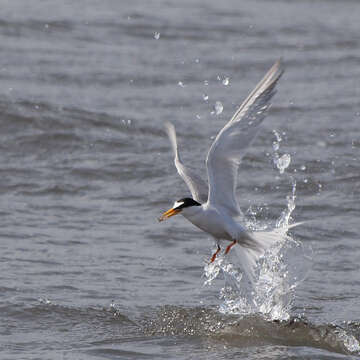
{"x":283,"y":162}
{"x":180,"y":83}
{"x":278,"y":137}
{"x":205,"y":97}
{"x":306,"y":181}
{"x":303,"y":167}
{"x":156,"y":35}
{"x":198,"y":116}
{"x":44,"y":301}
{"x":197,"y":61}
{"x":226,"y":81}
{"x":218,"y":107}
{"x":276,"y":146}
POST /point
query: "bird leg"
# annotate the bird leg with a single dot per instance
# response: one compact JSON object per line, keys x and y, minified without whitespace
{"x":214,"y":255}
{"x":230,"y":246}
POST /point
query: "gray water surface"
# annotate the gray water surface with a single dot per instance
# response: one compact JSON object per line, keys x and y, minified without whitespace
{"x":86,"y":271}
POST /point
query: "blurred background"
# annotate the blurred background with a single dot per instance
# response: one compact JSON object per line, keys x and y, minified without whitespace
{"x":86,"y":271}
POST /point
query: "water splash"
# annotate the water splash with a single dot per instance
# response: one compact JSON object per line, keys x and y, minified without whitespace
{"x":280,"y":271}
{"x":350,"y":342}
{"x":212,"y":270}
{"x":271,"y":291}
{"x":285,"y":218}
{"x":281,"y":162}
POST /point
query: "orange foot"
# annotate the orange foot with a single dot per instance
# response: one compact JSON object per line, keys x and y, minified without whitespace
{"x":214,"y":255}
{"x":230,"y":246}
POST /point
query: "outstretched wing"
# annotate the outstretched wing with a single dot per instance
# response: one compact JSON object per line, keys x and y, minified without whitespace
{"x":197,"y":186}
{"x":230,"y":144}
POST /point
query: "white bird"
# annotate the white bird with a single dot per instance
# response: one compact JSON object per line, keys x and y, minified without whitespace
{"x":214,"y":208}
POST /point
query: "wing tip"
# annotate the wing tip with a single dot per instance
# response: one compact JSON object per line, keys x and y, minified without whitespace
{"x":171,"y":133}
{"x":168,"y":125}
{"x":279,"y":69}
{"x":276,"y":71}
{"x":170,"y":130}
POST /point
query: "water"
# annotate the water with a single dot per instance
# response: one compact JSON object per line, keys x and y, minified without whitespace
{"x":87,"y":272}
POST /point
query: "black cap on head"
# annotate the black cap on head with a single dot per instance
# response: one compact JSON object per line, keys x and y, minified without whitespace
{"x":185,"y":202}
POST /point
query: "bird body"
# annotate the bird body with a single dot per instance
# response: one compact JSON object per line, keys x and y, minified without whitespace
{"x":214,"y":207}
{"x":220,"y":226}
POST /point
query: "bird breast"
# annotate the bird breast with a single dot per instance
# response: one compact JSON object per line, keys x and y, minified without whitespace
{"x":214,"y":222}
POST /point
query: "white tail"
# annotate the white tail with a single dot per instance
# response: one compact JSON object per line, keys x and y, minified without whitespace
{"x":262,"y":240}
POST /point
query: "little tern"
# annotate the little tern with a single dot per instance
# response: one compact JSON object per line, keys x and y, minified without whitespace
{"x":214,"y":207}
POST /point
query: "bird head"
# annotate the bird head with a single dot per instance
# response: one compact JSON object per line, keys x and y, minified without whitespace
{"x":178,"y":207}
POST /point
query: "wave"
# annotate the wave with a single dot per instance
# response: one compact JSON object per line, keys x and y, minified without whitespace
{"x":253,"y":330}
{"x":195,"y":322}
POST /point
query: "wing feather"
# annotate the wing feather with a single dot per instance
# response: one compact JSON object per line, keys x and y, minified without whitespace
{"x":197,"y":186}
{"x":230,"y":144}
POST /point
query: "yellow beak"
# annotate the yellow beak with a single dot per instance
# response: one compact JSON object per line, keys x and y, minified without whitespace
{"x":169,"y":213}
